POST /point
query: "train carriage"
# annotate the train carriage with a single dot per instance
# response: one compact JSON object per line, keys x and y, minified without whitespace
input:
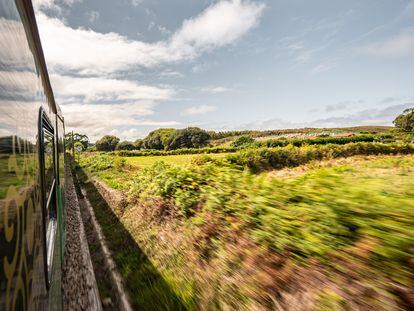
{"x":32,"y":177}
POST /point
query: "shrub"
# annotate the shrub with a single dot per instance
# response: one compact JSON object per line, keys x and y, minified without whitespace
{"x":176,"y":183}
{"x":243,"y":141}
{"x":143,"y":153}
{"x":125,"y":145}
{"x":321,"y":140}
{"x":191,"y":137}
{"x":275,"y":158}
{"x":295,"y":216}
{"x":202,"y":159}
{"x":107,"y":143}
{"x":98,"y":163}
{"x":119,"y":164}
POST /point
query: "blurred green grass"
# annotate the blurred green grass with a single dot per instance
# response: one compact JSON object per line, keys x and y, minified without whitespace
{"x":184,"y":159}
{"x":359,"y":215}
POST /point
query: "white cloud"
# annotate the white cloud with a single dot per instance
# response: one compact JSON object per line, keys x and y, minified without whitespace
{"x":397,"y":46}
{"x":164,"y":30}
{"x":136,"y":2}
{"x":45,"y":4}
{"x":203,"y":67}
{"x":56,"y":5}
{"x":102,"y":89}
{"x":219,"y":25}
{"x":97,"y":104}
{"x":100,"y":119}
{"x":215,"y":90}
{"x":203,"y":109}
{"x":90,"y":52}
{"x":375,"y":116}
{"x":171,"y":74}
{"x":93,"y":16}
{"x":151,"y":25}
{"x":339,"y":106}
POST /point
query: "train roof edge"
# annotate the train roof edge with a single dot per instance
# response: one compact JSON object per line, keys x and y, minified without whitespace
{"x":34,"y":42}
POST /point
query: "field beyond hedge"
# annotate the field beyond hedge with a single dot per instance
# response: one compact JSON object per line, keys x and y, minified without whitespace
{"x":224,"y":234}
{"x":183,"y":159}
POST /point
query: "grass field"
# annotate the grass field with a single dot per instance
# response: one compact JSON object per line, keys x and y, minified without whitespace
{"x":171,"y":159}
{"x":337,"y":233}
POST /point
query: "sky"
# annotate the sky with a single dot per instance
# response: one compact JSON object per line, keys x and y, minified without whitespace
{"x":127,"y":67}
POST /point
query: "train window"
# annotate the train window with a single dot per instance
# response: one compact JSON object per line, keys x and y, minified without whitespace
{"x":48,"y":188}
{"x":49,"y":170}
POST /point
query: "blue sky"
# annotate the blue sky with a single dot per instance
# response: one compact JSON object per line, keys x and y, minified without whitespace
{"x":127,"y":67}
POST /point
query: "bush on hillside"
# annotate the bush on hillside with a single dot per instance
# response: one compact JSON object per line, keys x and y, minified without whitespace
{"x":277,"y":158}
{"x":191,"y":137}
{"x":107,"y":143}
{"x":125,"y":145}
{"x":322,"y":140}
{"x":157,"y":139}
{"x":405,"y":121}
{"x":242,"y":141}
{"x":143,"y":152}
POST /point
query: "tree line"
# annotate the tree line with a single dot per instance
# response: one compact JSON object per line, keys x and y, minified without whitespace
{"x":160,"y":139}
{"x":194,"y":137}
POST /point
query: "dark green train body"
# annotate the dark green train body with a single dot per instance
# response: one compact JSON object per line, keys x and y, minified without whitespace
{"x":32,"y":178}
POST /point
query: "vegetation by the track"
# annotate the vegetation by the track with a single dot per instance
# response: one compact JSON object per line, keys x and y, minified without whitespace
{"x":298,"y":142}
{"x":145,"y":153}
{"x":147,"y":288}
{"x":245,"y":239}
{"x":277,"y":158}
{"x":110,"y":168}
{"x":172,"y":159}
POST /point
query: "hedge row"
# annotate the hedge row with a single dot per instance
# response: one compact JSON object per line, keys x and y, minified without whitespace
{"x":267,"y":143}
{"x":143,"y":153}
{"x":277,"y":158}
{"x":315,"y":141}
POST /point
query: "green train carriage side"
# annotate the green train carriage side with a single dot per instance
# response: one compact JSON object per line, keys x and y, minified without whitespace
{"x":32,"y":178}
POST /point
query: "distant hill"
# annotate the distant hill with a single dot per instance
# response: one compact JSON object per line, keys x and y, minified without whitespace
{"x":219,"y":138}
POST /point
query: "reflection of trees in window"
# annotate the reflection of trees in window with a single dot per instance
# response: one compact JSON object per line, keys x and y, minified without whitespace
{"x":61,"y":151}
{"x":49,"y":162}
{"x":17,"y":162}
{"x":15,"y":144}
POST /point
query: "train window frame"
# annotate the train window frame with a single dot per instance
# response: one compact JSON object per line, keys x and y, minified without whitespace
{"x":47,"y":193}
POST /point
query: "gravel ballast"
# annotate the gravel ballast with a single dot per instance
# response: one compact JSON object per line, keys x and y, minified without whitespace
{"x":79,"y":287}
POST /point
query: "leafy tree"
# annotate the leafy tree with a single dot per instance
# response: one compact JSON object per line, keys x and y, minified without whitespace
{"x":77,"y":137}
{"x":405,"y":121}
{"x":191,"y":137}
{"x":107,"y":143}
{"x":125,"y":145}
{"x":138,"y":144}
{"x":242,"y":141}
{"x":157,"y":139}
